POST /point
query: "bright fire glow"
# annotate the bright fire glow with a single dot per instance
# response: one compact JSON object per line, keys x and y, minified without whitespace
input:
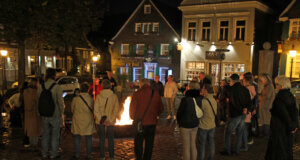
{"x":125,"y":118}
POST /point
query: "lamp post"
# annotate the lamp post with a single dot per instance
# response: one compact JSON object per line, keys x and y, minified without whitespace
{"x":95,"y":59}
{"x":4,"y":55}
{"x":292,"y":55}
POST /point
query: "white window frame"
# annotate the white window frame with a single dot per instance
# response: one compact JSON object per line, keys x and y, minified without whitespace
{"x":154,"y":26}
{"x":161,"y":74}
{"x":297,"y":34}
{"x":193,"y":30}
{"x":137,"y":49}
{"x":235,"y":28}
{"x":138,"y":25}
{"x":124,"y":68}
{"x":163,"y":51}
{"x":134,"y":72}
{"x":122,"y":50}
{"x":224,"y":28}
{"x":146,"y":27}
{"x":147,"y":9}
{"x":206,"y":29}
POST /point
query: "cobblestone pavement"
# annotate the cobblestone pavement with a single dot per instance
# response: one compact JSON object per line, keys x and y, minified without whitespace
{"x":167,"y":146}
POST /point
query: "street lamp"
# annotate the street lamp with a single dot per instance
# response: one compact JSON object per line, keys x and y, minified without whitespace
{"x":292,"y":55}
{"x":3,"y":54}
{"x":95,"y":59}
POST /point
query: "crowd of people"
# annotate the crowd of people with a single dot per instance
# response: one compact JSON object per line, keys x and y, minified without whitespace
{"x":238,"y":104}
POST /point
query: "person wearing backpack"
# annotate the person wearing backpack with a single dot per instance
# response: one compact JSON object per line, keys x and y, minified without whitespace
{"x":51,"y":109}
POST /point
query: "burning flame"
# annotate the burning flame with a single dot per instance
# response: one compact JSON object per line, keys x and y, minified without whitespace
{"x":125,"y":118}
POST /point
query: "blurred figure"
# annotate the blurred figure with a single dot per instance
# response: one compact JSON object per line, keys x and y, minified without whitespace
{"x":222,"y":96}
{"x":83,"y":124}
{"x":266,"y":98}
{"x":188,"y":121}
{"x":97,"y":89}
{"x":207,"y":125}
{"x":107,"y":111}
{"x":32,"y":119}
{"x":158,"y":86}
{"x":284,"y":122}
{"x":170,"y":93}
{"x":203,"y":80}
{"x":112,"y":80}
{"x":138,"y":105}
{"x":239,"y":101}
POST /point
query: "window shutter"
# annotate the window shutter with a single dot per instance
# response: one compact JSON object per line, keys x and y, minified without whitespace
{"x":158,"y":50}
{"x":119,"y":50}
{"x":157,"y":71}
{"x":118,"y":71}
{"x":130,"y":50}
{"x":145,"y":51}
{"x":143,"y":72}
{"x":159,"y":28}
{"x":170,"y":50}
{"x":134,"y":50}
{"x":130,"y":74}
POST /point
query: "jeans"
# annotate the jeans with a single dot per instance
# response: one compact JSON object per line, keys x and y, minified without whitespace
{"x":266,"y":130}
{"x":147,"y":134}
{"x":189,"y":143}
{"x":236,"y":123}
{"x":170,"y":102}
{"x":110,"y":136}
{"x":51,"y":131}
{"x":33,"y":141}
{"x":88,"y":142}
{"x":245,"y":138}
{"x":204,"y":135}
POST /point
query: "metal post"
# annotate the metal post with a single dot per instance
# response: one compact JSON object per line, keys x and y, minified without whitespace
{"x":291,"y":74}
{"x":4,"y":85}
{"x":94,"y":78}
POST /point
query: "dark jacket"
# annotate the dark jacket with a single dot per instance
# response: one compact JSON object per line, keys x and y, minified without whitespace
{"x":158,"y":87}
{"x":139,"y":104}
{"x":186,"y":114}
{"x":284,"y":119}
{"x":239,"y":98}
{"x":204,"y":81}
{"x":222,"y":94}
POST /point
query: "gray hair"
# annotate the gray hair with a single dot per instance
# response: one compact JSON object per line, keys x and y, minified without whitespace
{"x":106,"y":84}
{"x":143,"y":82}
{"x":194,"y":85}
{"x":283,"y":81}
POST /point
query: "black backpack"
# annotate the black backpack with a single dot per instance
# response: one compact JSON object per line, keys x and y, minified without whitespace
{"x":46,"y":104}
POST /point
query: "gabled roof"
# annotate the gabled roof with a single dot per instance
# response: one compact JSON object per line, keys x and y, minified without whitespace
{"x":291,"y":11}
{"x":136,"y":10}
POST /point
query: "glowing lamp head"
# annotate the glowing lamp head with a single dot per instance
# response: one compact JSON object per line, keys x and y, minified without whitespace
{"x":95,"y":58}
{"x":176,"y":40}
{"x":3,"y":53}
{"x":293,"y":53}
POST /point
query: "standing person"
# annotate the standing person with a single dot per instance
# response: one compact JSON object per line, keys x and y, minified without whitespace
{"x":284,"y":122}
{"x":97,"y":89}
{"x":138,"y":105}
{"x":247,"y":133}
{"x":207,"y":125}
{"x":266,"y":99}
{"x":222,"y":100}
{"x":107,"y":110}
{"x":203,"y":80}
{"x":239,"y":101}
{"x":157,"y":85}
{"x":188,"y":121}
{"x":83,"y":124}
{"x":51,"y":124}
{"x":112,"y":80}
{"x":32,"y":119}
{"x":170,"y":93}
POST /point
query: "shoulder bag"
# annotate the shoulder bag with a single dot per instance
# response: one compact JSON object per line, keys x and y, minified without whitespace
{"x":199,"y":112}
{"x":216,"y":117}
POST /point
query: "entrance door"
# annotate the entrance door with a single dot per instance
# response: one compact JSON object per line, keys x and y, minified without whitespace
{"x":150,"y":69}
{"x":214,"y":71}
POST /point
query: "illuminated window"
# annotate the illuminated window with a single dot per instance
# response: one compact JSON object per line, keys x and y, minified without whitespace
{"x":147,"y":9}
{"x":137,"y":73}
{"x":191,"y":31}
{"x":205,"y":31}
{"x":229,"y":68}
{"x":295,"y":28}
{"x":195,"y":65}
{"x":138,"y":27}
{"x":240,"y":68}
{"x":155,"y":27}
{"x":140,"y":49}
{"x":164,"y":50}
{"x":146,"y":27}
{"x":124,"y":70}
{"x":125,"y":49}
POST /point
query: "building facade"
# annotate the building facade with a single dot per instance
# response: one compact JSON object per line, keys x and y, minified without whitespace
{"x":290,"y":19}
{"x":145,"y":46}
{"x":212,"y":28}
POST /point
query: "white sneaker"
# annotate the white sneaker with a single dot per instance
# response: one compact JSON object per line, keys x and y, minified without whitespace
{"x":251,"y":142}
{"x":169,"y":117}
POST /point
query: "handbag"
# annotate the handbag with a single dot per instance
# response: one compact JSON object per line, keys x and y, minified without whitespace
{"x":199,"y":112}
{"x":137,"y":123}
{"x":217,"y":121}
{"x":103,"y":118}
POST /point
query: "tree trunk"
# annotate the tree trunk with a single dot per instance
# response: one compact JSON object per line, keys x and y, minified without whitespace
{"x":21,"y":63}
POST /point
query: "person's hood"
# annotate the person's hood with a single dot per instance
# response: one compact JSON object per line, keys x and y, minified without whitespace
{"x":192,"y":93}
{"x":106,"y":93}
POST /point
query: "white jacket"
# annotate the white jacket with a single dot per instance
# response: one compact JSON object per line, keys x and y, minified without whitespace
{"x":170,"y":90}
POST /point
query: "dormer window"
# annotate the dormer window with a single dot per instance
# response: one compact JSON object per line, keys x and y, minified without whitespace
{"x":147,"y":9}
